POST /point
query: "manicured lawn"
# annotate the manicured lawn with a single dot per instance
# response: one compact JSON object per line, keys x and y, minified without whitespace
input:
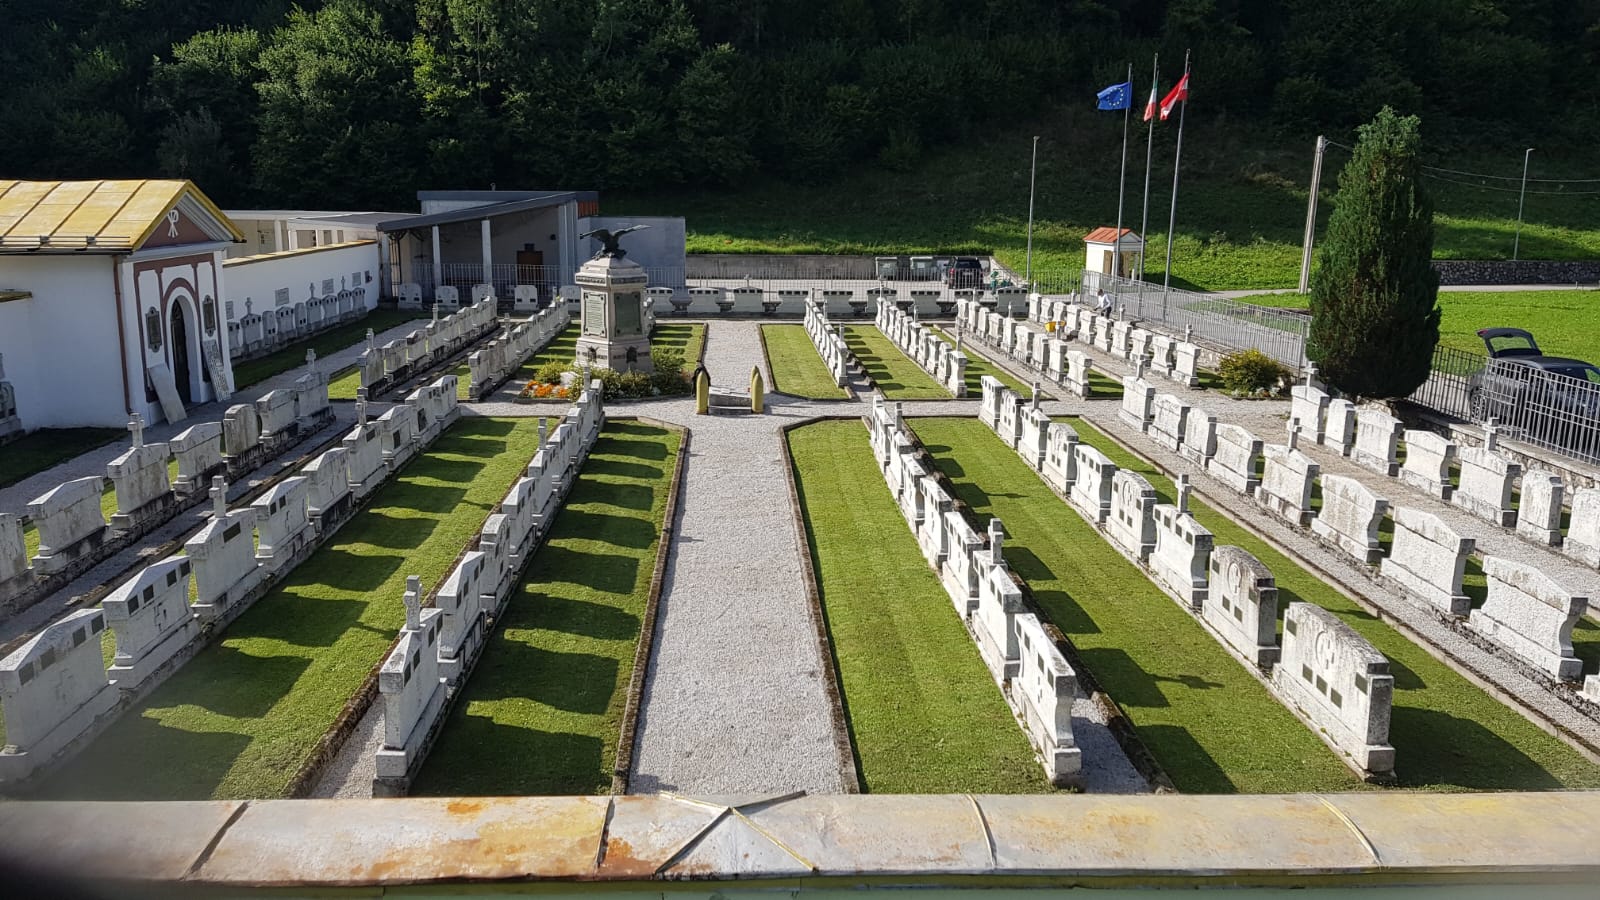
{"x":1209,"y":723}
{"x":240,"y":718}
{"x":39,"y":450}
{"x":897,"y":376}
{"x":325,"y":343}
{"x":797,"y":368}
{"x":924,"y":713}
{"x":977,"y":367}
{"x":542,"y":712}
{"x":688,"y":338}
{"x":1448,"y":734}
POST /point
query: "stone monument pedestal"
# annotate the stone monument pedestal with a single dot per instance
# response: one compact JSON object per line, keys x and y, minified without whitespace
{"x":613,"y":335}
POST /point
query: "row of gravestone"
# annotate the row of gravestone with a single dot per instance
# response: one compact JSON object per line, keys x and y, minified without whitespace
{"x":830,"y":343}
{"x":1168,"y":357}
{"x":56,"y":691}
{"x":381,"y":368}
{"x":1041,"y":349}
{"x":1322,"y":670}
{"x":496,"y":360}
{"x":73,"y":532}
{"x":437,"y":648}
{"x":1487,"y":481}
{"x":945,"y":362}
{"x":525,"y":297}
{"x":1526,"y":615}
{"x":837,"y":302}
{"x":1034,"y":676}
{"x":256,"y":334}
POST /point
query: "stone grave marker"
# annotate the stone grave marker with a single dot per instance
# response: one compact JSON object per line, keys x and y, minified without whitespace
{"x":1242,"y":605}
{"x":1531,"y":616}
{"x":1428,"y":559}
{"x":1350,"y":516}
{"x":1539,"y":515}
{"x":150,"y":615}
{"x":1042,"y":692}
{"x":1429,"y":458}
{"x":53,"y":689}
{"x":1339,"y":682}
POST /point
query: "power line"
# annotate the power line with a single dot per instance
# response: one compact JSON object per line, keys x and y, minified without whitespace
{"x":1512,"y":178}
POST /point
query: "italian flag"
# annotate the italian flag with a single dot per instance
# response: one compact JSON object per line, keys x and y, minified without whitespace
{"x":1150,"y":107}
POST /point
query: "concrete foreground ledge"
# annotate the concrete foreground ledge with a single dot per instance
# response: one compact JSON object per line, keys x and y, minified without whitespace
{"x":950,"y":840}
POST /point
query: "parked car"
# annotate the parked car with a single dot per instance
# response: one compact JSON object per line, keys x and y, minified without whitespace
{"x":965,"y":272}
{"x":1553,"y":398}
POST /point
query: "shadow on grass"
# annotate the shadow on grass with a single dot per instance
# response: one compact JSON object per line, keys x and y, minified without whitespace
{"x":632,"y":449}
{"x":621,"y":469}
{"x":609,"y":572}
{"x":152,"y":746}
{"x":1191,"y":768}
{"x":1461,"y":753}
{"x":573,"y":682}
{"x":258,"y":684}
{"x":637,"y":497}
{"x":620,"y":531}
{"x":525,"y":762}
{"x":1063,"y":609}
{"x":570,"y":615}
{"x":308,"y":621}
{"x":1123,"y":678}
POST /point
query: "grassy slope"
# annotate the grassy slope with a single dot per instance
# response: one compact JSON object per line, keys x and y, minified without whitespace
{"x":325,"y":343}
{"x":796,"y":366}
{"x":542,"y":711}
{"x":1447,"y":732}
{"x":924,"y":713}
{"x":1209,"y":722}
{"x":239,"y":719}
{"x":1241,"y":206}
{"x":35,"y":452}
{"x":895,"y":374}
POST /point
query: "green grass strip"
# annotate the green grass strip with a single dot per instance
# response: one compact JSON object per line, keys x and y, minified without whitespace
{"x":542,"y":712}
{"x":39,"y":450}
{"x":1209,"y":722}
{"x":240,"y":718}
{"x":797,"y":368}
{"x":688,"y":338}
{"x":1448,"y":733}
{"x":978,"y":366}
{"x":326,"y":343}
{"x":924,"y":713}
{"x":897,"y":376}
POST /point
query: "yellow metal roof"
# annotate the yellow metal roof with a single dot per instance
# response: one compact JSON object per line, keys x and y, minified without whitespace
{"x":92,"y":215}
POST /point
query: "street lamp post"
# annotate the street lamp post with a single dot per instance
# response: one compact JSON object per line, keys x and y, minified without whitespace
{"x":1516,"y":243}
{"x":1033,"y":170}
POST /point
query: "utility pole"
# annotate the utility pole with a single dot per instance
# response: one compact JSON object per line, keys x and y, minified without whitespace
{"x":1311,"y":215}
{"x":1032,"y":172}
{"x":1516,"y":243}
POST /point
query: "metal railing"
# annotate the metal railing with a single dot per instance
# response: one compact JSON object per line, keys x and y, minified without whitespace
{"x":1280,"y":334}
{"x":1543,"y":408}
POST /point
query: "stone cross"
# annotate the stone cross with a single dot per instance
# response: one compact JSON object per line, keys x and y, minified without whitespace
{"x":1491,"y":433}
{"x":899,"y":417}
{"x":961,"y":329}
{"x":436,"y":312}
{"x":1183,"y":488}
{"x":136,"y":425}
{"x":1294,"y":435}
{"x":1188,"y":333}
{"x":413,"y":601}
{"x":1311,"y":374}
{"x":1008,"y":309}
{"x":361,"y":406}
{"x":311,"y":360}
{"x":371,"y":344}
{"x":1138,"y":367}
{"x":219,"y":496}
{"x":997,"y":540}
{"x":1034,"y":404}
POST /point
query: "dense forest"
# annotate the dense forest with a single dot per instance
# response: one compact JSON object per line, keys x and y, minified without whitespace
{"x":359,"y":103}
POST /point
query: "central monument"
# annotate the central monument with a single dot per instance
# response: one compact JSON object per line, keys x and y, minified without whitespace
{"x":613,"y":334}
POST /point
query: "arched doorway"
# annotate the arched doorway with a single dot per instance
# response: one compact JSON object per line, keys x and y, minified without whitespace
{"x":180,"y":354}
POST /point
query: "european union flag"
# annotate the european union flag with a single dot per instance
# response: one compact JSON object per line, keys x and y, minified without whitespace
{"x":1118,"y":96}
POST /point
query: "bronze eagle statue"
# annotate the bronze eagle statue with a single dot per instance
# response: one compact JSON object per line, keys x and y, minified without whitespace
{"x":608,"y":241}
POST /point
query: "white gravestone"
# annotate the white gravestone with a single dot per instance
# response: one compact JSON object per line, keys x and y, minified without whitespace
{"x":1428,"y":559}
{"x":14,"y":572}
{"x":1078,"y":369}
{"x":1350,"y":516}
{"x":1199,"y":436}
{"x":1091,"y":487}
{"x":1043,"y":691}
{"x":1183,"y":547}
{"x":1539,"y":515}
{"x":413,"y":694}
{"x":277,"y":412}
{"x":1168,"y":417}
{"x":1009,"y":427}
{"x":52,"y":689}
{"x":1235,"y":458}
{"x":960,"y":572}
{"x":1033,"y":443}
{"x":1131,"y":524}
{"x":1377,"y":441}
{"x":151,"y":618}
{"x":1339,"y":682}
{"x":224,"y":556}
{"x":1161,"y":355}
{"x":1583,"y":529}
{"x":311,"y":396}
{"x":282,"y":525}
{"x":1530,"y":615}
{"x":1137,"y":398}
{"x":69,"y":522}
{"x":1427,"y":464}
{"x":139,"y":477}
{"x":1185,"y":364}
{"x":1287,"y":480}
{"x":930,"y":531}
{"x":1308,"y":407}
{"x":1242,"y":606}
{"x":241,"y":430}
{"x":989,"y":407}
{"x":198,"y":450}
{"x":1487,"y":479}
{"x":999,"y":601}
{"x":1059,"y":469}
{"x":397,"y":433}
{"x":462,"y":627}
{"x":1339,"y":433}
{"x":328,"y":478}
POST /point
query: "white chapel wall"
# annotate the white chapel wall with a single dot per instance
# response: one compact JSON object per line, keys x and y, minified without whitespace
{"x":61,"y":346}
{"x":261,"y":278}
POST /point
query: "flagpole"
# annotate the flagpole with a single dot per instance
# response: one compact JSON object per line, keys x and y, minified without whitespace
{"x":1172,"y":217}
{"x":1122,"y":179}
{"x":1149,"y":148}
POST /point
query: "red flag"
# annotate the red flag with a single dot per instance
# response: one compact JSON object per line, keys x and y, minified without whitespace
{"x":1180,"y":91}
{"x":1150,"y":107}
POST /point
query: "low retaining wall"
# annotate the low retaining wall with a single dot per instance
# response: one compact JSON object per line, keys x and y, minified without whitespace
{"x":1522,"y":271}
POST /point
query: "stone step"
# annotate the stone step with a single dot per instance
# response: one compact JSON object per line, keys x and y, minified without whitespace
{"x":729,"y":410}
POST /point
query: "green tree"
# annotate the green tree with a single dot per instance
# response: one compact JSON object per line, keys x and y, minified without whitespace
{"x":1374,"y":316}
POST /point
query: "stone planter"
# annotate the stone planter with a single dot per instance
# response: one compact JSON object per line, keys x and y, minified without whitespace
{"x":680,"y":305}
{"x":905,"y":305}
{"x":858,"y":308}
{"x":770,"y":307}
{"x":724,"y":306}
{"x":946,"y":307}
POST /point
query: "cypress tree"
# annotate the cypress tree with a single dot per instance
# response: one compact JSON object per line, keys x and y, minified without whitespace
{"x":1375,"y":319}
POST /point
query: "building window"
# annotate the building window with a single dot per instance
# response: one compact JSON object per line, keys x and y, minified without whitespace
{"x":152,"y":329}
